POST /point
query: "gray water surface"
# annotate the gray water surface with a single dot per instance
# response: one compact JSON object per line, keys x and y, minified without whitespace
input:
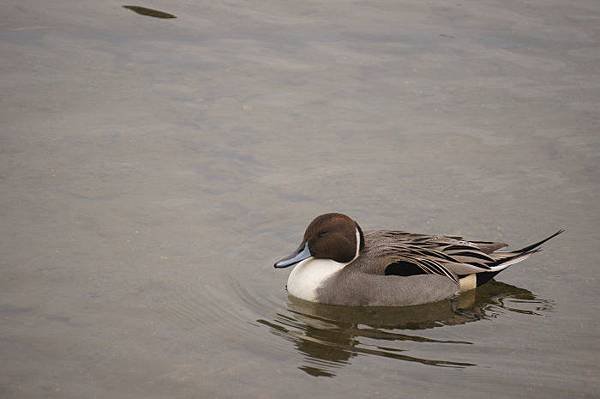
{"x":152,"y":169}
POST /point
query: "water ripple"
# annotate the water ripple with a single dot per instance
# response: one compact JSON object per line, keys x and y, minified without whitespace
{"x":329,"y":337}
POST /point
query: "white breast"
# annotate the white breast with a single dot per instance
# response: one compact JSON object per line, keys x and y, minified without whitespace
{"x":309,"y":275}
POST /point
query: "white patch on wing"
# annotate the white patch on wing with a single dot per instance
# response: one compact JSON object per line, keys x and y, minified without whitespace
{"x":309,"y":275}
{"x":506,"y":264}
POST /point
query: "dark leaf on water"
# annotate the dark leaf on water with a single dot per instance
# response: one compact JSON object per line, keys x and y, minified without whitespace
{"x":149,"y":12}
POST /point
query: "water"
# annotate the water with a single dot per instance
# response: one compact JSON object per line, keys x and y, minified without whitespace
{"x":152,"y":169}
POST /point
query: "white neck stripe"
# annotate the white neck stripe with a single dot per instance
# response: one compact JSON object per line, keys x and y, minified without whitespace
{"x":357,"y":245}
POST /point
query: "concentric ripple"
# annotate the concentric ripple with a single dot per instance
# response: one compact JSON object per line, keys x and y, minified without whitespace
{"x":327,"y":338}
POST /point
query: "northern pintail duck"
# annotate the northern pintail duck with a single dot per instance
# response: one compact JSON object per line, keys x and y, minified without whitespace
{"x":338,"y":264}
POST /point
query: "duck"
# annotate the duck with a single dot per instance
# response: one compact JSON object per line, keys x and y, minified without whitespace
{"x":339,"y":264}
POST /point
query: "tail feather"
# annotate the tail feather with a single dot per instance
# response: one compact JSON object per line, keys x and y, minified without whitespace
{"x":537,"y":244}
{"x":508,"y":256}
{"x":505,"y":259}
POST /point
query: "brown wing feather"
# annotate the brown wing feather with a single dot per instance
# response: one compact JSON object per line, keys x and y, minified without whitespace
{"x":440,"y":254}
{"x":388,"y":247}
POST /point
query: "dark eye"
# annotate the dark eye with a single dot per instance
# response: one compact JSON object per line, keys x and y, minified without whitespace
{"x":323,"y":233}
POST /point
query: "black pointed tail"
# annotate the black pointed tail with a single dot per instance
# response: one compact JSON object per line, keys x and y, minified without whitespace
{"x":537,"y":244}
{"x":514,"y":257}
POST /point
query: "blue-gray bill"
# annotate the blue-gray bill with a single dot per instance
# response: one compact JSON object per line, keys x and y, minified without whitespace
{"x":303,"y":252}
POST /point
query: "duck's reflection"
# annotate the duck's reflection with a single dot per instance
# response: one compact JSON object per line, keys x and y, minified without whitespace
{"x":330,"y":336}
